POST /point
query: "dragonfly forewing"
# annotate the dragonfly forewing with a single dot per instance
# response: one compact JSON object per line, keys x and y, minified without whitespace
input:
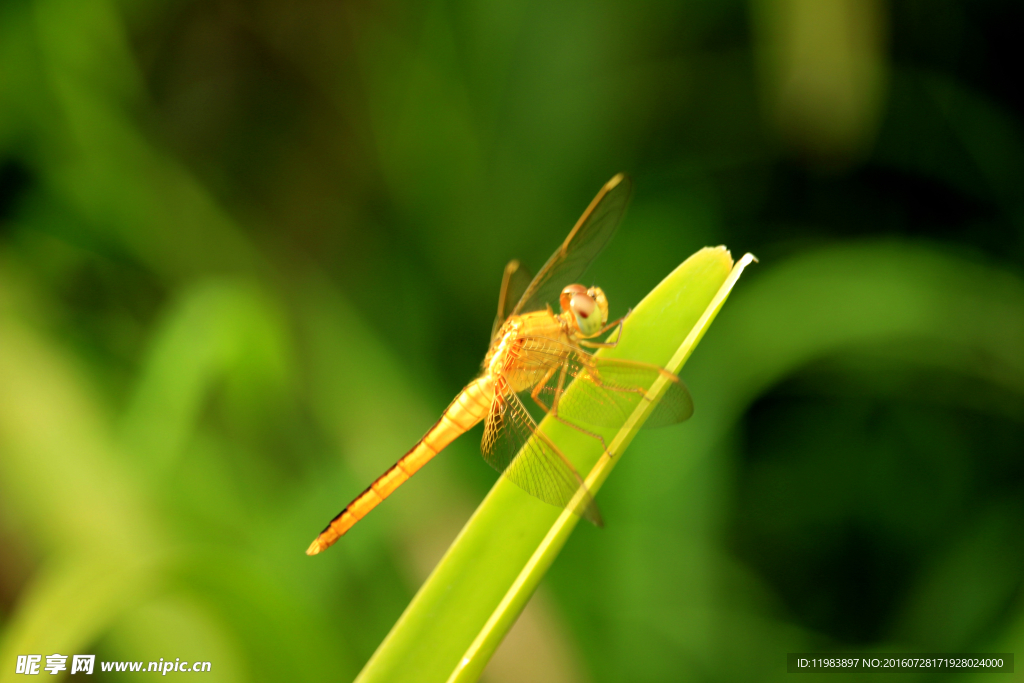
{"x":588,"y":237}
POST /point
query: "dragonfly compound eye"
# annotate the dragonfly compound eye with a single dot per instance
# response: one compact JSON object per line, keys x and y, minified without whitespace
{"x":587,"y":314}
{"x":568,"y":293}
{"x":597,"y":294}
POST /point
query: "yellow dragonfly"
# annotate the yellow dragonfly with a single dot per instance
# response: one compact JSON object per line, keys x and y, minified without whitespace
{"x":535,"y":354}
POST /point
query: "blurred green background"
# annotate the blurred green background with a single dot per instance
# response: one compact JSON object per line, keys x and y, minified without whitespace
{"x":250,"y":250}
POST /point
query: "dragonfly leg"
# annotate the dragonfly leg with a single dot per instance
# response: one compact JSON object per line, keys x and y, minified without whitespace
{"x":559,"y":388}
{"x":558,"y":395}
{"x":540,"y":387}
{"x":606,"y":345}
{"x":553,"y":408}
{"x":581,"y":430}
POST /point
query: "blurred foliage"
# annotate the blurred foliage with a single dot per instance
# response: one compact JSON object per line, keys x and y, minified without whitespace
{"x":248,"y":252}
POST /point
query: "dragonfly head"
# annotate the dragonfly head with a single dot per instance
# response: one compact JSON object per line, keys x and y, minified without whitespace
{"x":589,"y":308}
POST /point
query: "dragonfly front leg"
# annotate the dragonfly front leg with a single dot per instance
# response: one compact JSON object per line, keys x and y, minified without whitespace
{"x":606,"y":345}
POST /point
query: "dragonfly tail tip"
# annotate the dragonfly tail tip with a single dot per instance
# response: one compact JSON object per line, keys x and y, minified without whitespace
{"x":314,"y":547}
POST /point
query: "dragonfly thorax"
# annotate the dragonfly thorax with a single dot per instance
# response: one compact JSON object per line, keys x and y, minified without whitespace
{"x":505,"y":338}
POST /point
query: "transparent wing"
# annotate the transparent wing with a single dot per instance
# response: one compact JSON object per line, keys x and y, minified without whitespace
{"x":591,"y":233}
{"x":514,"y":283}
{"x":536,"y":466}
{"x":607,"y":390}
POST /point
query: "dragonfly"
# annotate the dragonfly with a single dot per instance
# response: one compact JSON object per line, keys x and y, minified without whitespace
{"x":535,"y":356}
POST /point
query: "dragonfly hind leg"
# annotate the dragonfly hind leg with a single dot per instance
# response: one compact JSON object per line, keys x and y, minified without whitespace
{"x":539,"y":387}
{"x":581,"y":430}
{"x":553,"y":409}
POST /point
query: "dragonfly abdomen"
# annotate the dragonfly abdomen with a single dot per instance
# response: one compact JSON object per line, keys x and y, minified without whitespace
{"x":468,"y":408}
